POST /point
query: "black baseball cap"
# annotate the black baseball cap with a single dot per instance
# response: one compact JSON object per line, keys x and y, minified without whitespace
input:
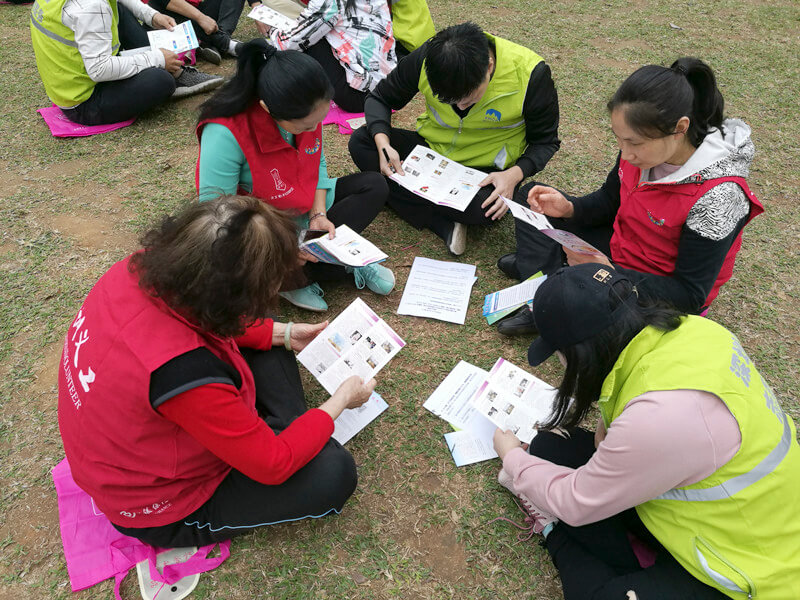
{"x":573,"y":306}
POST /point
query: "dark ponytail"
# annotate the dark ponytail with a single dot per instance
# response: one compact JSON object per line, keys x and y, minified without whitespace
{"x":656,"y":97}
{"x":289,"y":82}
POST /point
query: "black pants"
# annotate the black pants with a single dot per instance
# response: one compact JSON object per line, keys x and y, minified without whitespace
{"x":240,"y":504}
{"x":537,"y":252}
{"x":358,"y":199}
{"x":596,"y":561}
{"x":414,"y":209}
{"x":349,"y":99}
{"x":115,"y":101}
{"x":225,"y":12}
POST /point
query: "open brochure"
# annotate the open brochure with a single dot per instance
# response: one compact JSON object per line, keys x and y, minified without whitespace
{"x":272,"y":17}
{"x":353,"y":420}
{"x":346,"y":248}
{"x":357,"y":342}
{"x":439,"y":179}
{"x":512,"y":297}
{"x":565,"y":238}
{"x":181,"y":39}
{"x":514,"y":399}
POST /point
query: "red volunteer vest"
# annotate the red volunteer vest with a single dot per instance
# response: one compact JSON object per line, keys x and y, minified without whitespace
{"x":283,"y":176}
{"x":141,"y":469}
{"x":648,"y":225}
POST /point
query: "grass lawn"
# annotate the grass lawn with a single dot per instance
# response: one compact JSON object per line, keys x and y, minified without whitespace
{"x":417,"y":526}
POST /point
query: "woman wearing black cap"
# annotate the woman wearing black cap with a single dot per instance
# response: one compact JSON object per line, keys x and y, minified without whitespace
{"x":693,"y":455}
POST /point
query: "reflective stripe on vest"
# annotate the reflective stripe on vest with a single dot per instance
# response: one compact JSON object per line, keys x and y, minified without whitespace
{"x":51,"y":35}
{"x":740,"y":482}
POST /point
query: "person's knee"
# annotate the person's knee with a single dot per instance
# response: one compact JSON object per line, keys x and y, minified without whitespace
{"x":340,"y":473}
{"x":360,"y":147}
{"x":377,"y":184}
{"x":158,"y":83}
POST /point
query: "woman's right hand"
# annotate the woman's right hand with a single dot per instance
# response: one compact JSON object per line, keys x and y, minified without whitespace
{"x":549,"y":201}
{"x":303,"y":257}
{"x":172,"y":63}
{"x":393,"y":165}
{"x":352,"y":393}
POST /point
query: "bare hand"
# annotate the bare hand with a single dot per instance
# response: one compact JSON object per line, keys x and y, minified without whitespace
{"x":354,"y":391}
{"x":391,"y":166}
{"x":172,"y":63}
{"x":263,"y":28}
{"x":323,"y":224}
{"x":505,"y":442}
{"x":504,"y":183}
{"x":577,"y":258}
{"x":208,"y":25}
{"x":302,"y":334}
{"x":549,"y":201}
{"x":161,"y":21}
{"x":303,"y":257}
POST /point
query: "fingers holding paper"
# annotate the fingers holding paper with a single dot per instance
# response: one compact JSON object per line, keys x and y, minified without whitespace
{"x":162,"y":21}
{"x":504,"y":183}
{"x":354,"y":391}
{"x":302,"y":334}
{"x":549,"y":201}
{"x":505,"y":442}
{"x":579,"y":258}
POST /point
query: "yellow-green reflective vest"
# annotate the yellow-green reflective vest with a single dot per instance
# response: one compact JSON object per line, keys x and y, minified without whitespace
{"x":57,"y":58}
{"x":493,"y":132}
{"x":412,"y":24}
{"x":737,"y":530}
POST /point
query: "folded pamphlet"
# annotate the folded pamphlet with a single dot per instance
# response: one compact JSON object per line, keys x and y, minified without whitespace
{"x":511,"y":298}
{"x":357,"y":342}
{"x":272,"y":17}
{"x":181,"y":39}
{"x":353,"y":420}
{"x":346,"y":248}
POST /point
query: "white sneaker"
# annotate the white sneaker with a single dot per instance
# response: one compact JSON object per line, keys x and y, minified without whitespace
{"x":457,"y":240}
{"x":536,"y":519}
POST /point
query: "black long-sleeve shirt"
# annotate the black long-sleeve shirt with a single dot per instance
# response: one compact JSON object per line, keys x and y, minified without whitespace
{"x":540,"y":108}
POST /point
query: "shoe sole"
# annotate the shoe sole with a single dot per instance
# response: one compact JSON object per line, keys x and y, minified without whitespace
{"x":182,"y":92}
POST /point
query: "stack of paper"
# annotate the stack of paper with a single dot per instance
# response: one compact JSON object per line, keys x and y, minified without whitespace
{"x":499,"y":304}
{"x":438,"y":290}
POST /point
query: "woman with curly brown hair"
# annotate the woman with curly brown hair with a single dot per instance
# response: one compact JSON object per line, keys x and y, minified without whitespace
{"x":181,"y":414}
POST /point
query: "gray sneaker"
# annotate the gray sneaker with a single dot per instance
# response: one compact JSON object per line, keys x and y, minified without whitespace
{"x":209,"y":54}
{"x":192,"y":81}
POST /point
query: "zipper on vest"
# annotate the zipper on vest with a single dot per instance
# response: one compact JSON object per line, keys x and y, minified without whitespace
{"x":455,"y":137}
{"x":701,"y":542}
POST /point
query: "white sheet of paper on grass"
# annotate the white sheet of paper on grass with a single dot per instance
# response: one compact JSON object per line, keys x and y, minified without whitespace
{"x":438,"y":289}
{"x":353,"y":420}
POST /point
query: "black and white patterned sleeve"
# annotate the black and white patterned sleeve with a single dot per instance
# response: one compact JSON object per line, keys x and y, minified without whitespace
{"x":718,"y":212}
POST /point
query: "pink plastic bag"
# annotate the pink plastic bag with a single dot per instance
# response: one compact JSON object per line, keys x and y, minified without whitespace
{"x":339,"y":117}
{"x":95,"y":551}
{"x":61,"y":126}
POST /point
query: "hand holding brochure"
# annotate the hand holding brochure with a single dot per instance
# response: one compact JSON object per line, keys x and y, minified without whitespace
{"x":514,"y":399}
{"x":272,"y":17}
{"x":565,"y":238}
{"x":346,"y":248}
{"x":439,"y":179}
{"x":181,"y":39}
{"x":357,"y":342}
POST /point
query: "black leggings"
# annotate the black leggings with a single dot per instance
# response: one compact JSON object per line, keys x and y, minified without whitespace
{"x":537,"y":252}
{"x":240,"y":504}
{"x":414,"y":209}
{"x":596,"y":561}
{"x":358,"y":199}
{"x":349,"y":99}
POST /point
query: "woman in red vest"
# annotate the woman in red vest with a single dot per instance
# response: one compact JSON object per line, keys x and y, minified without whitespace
{"x":261,"y":134}
{"x":180,"y":403}
{"x":672,"y":210}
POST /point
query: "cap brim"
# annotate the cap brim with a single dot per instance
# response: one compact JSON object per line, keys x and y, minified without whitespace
{"x":539,"y":351}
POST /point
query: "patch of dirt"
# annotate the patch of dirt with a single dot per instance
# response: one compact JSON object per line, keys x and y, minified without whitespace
{"x":46,"y":378}
{"x":89,"y":231}
{"x":609,"y":63}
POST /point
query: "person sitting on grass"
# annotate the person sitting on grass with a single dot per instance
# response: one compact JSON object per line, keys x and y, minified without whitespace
{"x":214,"y":23}
{"x":180,"y":403}
{"x":693,"y":455}
{"x":262,"y":134}
{"x":491,"y":105}
{"x":671,"y":211}
{"x":77,"y":44}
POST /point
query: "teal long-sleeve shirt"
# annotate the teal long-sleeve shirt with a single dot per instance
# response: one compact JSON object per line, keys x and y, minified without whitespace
{"x":224,"y":168}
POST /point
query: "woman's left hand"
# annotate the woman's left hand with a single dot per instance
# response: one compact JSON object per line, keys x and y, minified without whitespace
{"x":575,"y":258}
{"x":302,"y":333}
{"x":322,"y":223}
{"x":505,"y":442}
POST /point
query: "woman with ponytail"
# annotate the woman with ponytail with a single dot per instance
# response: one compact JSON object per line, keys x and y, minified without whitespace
{"x":671,"y":212}
{"x":261,"y":134}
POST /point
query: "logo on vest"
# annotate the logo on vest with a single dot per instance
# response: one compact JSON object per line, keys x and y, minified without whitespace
{"x":654,"y":221}
{"x":315,"y":148}
{"x":276,"y":177}
{"x":493,"y":115}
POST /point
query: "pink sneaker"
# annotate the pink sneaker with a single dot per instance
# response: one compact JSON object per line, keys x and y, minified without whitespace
{"x":536,"y":520}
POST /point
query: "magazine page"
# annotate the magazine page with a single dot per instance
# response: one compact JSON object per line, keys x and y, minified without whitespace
{"x":514,"y":399}
{"x":181,"y":39}
{"x":346,"y":248}
{"x":272,"y":17}
{"x":439,"y":179}
{"x":357,"y":342}
{"x":353,"y":420}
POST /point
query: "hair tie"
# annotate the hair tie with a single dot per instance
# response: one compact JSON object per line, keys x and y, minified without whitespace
{"x":681,"y":69}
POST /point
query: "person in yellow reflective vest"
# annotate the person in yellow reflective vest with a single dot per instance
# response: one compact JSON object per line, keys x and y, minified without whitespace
{"x":77,"y":45}
{"x":412,"y":25}
{"x":690,"y":485}
{"x":491,"y":105}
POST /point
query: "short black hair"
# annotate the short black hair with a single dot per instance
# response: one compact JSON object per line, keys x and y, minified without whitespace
{"x":456,"y":61}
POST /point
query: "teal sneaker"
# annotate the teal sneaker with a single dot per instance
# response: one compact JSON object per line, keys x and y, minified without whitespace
{"x":309,"y":297}
{"x":376,"y":277}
